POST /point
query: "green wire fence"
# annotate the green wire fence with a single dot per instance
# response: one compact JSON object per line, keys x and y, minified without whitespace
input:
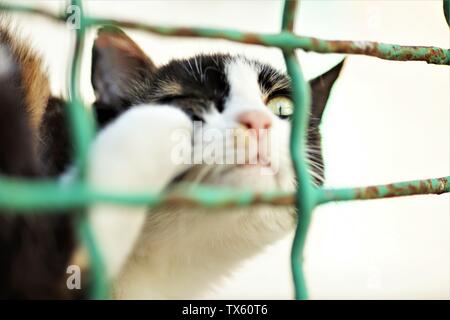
{"x":25,"y":195}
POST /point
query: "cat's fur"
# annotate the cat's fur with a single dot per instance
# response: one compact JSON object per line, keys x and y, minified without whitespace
{"x":35,"y":250}
{"x":174,"y":252}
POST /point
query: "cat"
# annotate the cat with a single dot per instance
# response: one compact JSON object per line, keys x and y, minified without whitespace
{"x":170,"y":252}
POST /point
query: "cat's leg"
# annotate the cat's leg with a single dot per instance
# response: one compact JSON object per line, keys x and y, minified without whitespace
{"x":134,"y":154}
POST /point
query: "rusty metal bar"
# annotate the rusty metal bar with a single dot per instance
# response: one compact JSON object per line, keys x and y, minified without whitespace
{"x":26,"y":195}
{"x":289,"y":15}
{"x":399,"y":189}
{"x":284,"y":40}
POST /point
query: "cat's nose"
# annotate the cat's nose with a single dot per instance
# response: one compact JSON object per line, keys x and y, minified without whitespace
{"x":255,"y":119}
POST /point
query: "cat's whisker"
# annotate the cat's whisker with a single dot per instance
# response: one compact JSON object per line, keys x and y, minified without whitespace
{"x":197,"y":174}
{"x":318,"y":177}
{"x":312,"y":152}
{"x":316,"y":165}
{"x":312,"y":155}
{"x":192,"y":73}
{"x":313,"y":147}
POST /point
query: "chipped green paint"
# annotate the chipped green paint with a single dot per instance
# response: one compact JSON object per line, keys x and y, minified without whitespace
{"x":408,"y":188}
{"x":40,"y":195}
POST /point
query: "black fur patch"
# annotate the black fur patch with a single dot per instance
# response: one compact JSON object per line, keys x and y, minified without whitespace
{"x":195,"y":85}
{"x":35,"y":250}
{"x":55,"y":147}
{"x":201,"y":81}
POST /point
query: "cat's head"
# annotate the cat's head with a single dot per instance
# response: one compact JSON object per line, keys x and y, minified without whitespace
{"x":242,"y":106}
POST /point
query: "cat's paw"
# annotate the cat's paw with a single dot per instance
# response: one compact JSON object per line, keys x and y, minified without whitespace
{"x":134,"y":154}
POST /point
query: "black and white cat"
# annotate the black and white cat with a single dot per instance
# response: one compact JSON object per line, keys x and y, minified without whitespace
{"x":176,"y":252}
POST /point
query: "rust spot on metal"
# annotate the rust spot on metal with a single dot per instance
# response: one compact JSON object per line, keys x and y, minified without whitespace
{"x":251,"y":39}
{"x":291,"y":7}
{"x":423,"y":187}
{"x":393,"y":190}
{"x":284,"y":200}
{"x":408,"y":56}
{"x":315,"y":43}
{"x":443,"y":185}
{"x":368,"y":193}
{"x":435,"y":55}
{"x":185,"y":32}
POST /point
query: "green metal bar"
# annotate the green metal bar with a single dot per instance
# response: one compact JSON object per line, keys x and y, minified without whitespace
{"x":283,"y":40}
{"x":407,"y":188}
{"x":288,"y":19}
{"x":99,"y":286}
{"x":288,"y":41}
{"x":33,"y":10}
{"x":305,"y":192}
{"x":32,"y":195}
{"x":83,"y":130}
{"x":81,"y":121}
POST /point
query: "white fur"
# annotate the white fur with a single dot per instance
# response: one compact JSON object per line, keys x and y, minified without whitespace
{"x":129,"y":157}
{"x":178,"y":252}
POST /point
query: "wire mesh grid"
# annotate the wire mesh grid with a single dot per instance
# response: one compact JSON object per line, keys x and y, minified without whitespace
{"x":23,"y":195}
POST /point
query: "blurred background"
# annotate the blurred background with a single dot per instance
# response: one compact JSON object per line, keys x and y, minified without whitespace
{"x":386,"y":121}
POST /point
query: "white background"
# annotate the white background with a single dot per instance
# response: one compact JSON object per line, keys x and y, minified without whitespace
{"x":386,"y":121}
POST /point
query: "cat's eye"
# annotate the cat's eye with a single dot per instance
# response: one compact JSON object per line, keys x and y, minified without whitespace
{"x":281,"y":106}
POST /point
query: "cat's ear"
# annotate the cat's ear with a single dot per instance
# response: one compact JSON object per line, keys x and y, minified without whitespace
{"x":320,"y":91}
{"x":118,"y":64}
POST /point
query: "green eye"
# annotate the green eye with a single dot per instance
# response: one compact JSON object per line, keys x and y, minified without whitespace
{"x":281,"y":106}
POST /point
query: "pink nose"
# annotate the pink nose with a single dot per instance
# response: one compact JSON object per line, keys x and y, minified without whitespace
{"x":255,"y":119}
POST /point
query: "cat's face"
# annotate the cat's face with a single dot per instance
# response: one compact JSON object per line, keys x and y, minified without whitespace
{"x":240,"y":110}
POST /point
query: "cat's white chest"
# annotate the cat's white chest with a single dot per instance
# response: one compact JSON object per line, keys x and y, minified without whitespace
{"x":182,"y":254}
